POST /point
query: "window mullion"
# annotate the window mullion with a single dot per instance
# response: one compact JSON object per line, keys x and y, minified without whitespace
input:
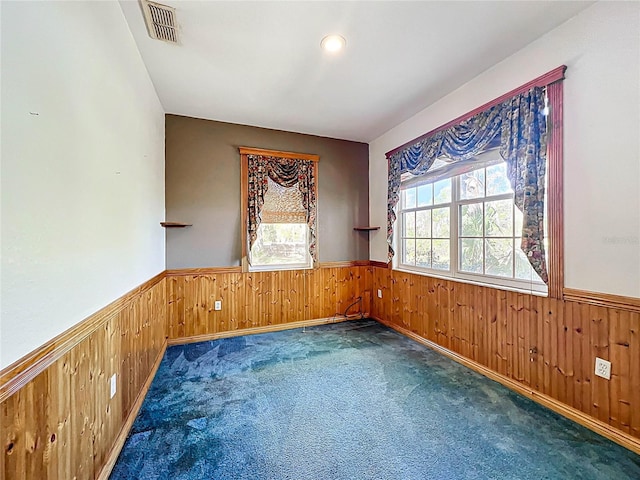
{"x":514,"y":234}
{"x":454,"y":227}
{"x":484,"y":238}
{"x":492,"y":198}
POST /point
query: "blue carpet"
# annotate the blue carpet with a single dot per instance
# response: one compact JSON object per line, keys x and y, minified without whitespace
{"x":351,"y":400}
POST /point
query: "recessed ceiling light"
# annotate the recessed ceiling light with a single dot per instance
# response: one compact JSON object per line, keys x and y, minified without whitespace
{"x":333,"y":43}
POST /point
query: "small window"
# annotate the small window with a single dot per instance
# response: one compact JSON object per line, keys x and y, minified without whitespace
{"x":279,"y":198}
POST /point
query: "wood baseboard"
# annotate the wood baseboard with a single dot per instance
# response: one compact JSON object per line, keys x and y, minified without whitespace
{"x":112,"y":457}
{"x":571,"y":413}
{"x":266,"y":329}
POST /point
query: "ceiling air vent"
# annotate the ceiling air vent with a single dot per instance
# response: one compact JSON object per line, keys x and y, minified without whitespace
{"x":161,"y":21}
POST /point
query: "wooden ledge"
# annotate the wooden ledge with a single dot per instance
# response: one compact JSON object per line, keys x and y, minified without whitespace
{"x":631,"y":304}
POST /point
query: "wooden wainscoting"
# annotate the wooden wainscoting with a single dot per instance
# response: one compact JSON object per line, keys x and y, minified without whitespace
{"x":545,"y":345}
{"x":255,"y":302}
{"x":58,"y":421}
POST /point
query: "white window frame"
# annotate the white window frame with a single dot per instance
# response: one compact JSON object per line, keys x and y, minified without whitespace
{"x":307,"y":265}
{"x":454,"y":272}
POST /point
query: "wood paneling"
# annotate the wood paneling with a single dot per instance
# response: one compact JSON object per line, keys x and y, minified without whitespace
{"x":58,"y":421}
{"x":375,"y":263}
{"x":203,"y":271}
{"x":19,"y":373}
{"x":545,"y":345}
{"x":549,"y":402}
{"x":61,"y":423}
{"x":261,"y":299}
{"x":603,"y":299}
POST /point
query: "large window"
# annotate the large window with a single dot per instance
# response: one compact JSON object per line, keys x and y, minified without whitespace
{"x":279,"y":197}
{"x":448,"y":176}
{"x":465,"y":226}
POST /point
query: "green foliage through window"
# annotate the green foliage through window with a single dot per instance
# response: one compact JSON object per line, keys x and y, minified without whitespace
{"x":487,"y":226}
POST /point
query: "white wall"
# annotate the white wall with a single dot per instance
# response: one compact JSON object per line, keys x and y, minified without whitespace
{"x":82,"y":168}
{"x":601,"y":47}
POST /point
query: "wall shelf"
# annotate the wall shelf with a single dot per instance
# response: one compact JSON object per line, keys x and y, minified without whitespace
{"x":366,"y":229}
{"x":175,"y":224}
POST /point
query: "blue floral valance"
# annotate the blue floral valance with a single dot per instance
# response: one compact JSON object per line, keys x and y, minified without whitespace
{"x":520,"y":125}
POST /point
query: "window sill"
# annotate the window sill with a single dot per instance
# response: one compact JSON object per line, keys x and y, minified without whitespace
{"x":472,"y":282}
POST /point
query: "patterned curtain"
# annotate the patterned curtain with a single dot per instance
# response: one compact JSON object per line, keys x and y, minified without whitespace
{"x":307,"y":186}
{"x":524,"y":148}
{"x":257,"y":188}
{"x":286,"y":172}
{"x":459,"y":142}
{"x":393,"y":196}
{"x":520,"y":124}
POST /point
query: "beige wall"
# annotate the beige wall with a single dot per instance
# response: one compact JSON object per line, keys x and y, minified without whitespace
{"x":82,"y":168}
{"x":601,"y":49}
{"x":202,"y":187}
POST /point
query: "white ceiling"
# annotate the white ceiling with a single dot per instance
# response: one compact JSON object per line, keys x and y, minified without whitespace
{"x":260,"y":63}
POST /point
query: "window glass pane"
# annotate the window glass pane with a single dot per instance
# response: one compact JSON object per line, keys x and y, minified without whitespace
{"x":423,"y":253}
{"x":499,"y":257}
{"x":471,"y":220}
{"x":497,"y":181}
{"x":425,"y":195}
{"x":518,"y":221}
{"x":442,"y":191}
{"x":409,"y":198}
{"x":441,"y":255}
{"x":280,"y":244}
{"x":498,"y":218}
{"x":441,"y":223}
{"x":471,"y":252}
{"x":423,"y":223}
{"x":409,"y":251}
{"x":523,"y":267}
{"x":472,"y":184}
{"x":524,"y":271}
{"x":409,"y":224}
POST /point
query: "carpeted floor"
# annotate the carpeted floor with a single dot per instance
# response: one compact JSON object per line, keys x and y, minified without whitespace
{"x":351,"y":400}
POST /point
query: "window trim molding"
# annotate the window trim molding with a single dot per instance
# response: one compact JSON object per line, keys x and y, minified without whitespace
{"x":555,"y":182}
{"x":244,"y":194}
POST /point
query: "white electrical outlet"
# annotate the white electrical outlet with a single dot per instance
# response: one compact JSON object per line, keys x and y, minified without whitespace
{"x":603,"y":368}
{"x":217,"y":305}
{"x":113,"y":385}
{"x":379,"y":293}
